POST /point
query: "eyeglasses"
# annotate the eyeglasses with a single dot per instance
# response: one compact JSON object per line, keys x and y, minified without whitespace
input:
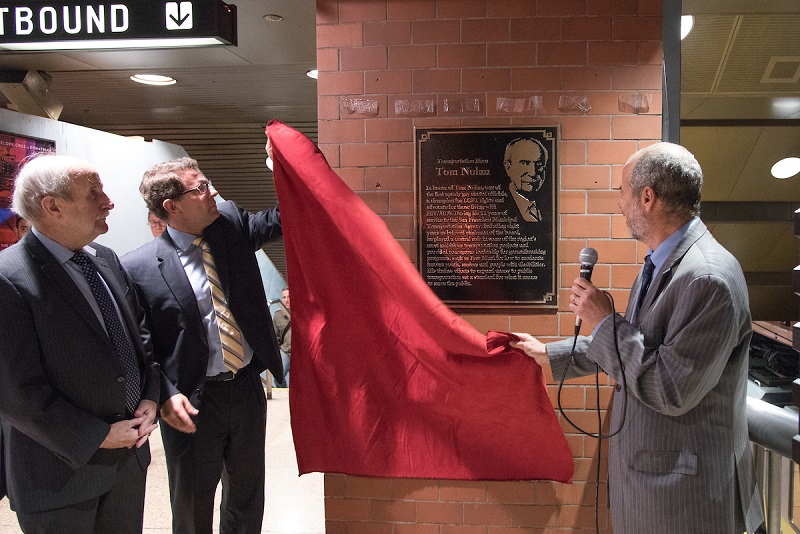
{"x":157,"y":224}
{"x":203,"y":188}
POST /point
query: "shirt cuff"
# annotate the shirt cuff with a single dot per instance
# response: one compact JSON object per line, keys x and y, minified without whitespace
{"x":596,"y":328}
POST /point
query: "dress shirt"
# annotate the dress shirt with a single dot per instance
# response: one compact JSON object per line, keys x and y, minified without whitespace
{"x":658,"y":256}
{"x":192,"y":261}
{"x":63,"y":255}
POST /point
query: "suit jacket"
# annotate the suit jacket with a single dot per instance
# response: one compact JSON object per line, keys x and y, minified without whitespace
{"x":177,"y":334}
{"x":61,"y":382}
{"x":683,"y":460}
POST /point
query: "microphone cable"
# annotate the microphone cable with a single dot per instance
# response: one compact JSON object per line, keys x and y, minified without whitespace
{"x":599,"y":436}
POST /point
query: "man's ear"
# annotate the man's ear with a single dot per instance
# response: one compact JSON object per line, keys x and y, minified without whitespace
{"x":51,"y":206}
{"x":170,"y":206}
{"x":648,"y":198}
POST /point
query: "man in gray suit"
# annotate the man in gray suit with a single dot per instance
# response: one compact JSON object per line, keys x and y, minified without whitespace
{"x":681,"y":462}
{"x":78,"y":388}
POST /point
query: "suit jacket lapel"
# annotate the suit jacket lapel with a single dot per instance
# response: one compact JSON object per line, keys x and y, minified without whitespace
{"x":664,"y":274}
{"x":119,"y":294}
{"x":215,"y":237}
{"x":63,"y":284}
{"x":175,"y":277}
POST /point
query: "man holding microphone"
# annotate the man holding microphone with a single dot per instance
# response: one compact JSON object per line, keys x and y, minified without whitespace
{"x":682,"y":461}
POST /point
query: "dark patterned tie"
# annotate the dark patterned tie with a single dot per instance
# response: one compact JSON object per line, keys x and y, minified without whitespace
{"x":647,"y":277}
{"x":119,"y":337}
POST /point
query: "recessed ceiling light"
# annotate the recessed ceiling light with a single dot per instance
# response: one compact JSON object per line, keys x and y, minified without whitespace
{"x":786,"y":168}
{"x":153,"y":79}
{"x":687,"y":21}
{"x":273,"y":18}
{"x":785,"y":107}
{"x":313,"y":73}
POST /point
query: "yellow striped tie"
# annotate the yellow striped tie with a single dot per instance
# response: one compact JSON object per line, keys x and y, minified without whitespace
{"x":229,"y":334}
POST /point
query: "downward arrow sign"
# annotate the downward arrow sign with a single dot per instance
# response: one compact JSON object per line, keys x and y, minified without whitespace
{"x":179,"y":16}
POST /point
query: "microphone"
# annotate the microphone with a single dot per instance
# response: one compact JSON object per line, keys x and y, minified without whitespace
{"x":588,"y":257}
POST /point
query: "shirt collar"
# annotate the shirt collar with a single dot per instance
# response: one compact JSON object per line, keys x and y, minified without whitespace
{"x":662,"y":251}
{"x":61,"y":253}
{"x":183,"y":240}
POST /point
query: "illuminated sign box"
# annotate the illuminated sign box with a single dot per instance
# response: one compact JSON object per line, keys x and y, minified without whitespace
{"x":60,"y":25}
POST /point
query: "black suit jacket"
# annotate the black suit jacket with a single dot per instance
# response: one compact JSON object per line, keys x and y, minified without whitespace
{"x":60,"y":386}
{"x":178,"y":338}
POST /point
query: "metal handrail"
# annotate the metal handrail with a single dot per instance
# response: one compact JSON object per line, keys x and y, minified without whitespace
{"x":771,"y":427}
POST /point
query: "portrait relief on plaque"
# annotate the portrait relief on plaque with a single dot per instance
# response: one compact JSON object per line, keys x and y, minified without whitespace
{"x":487,"y":215}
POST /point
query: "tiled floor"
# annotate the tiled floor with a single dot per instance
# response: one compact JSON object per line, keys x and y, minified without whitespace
{"x":294,"y":504}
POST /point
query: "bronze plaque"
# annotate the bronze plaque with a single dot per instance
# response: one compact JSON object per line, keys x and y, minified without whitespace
{"x":486,"y":216}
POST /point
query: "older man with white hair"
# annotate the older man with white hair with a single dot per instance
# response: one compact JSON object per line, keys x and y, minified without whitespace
{"x":78,"y":388}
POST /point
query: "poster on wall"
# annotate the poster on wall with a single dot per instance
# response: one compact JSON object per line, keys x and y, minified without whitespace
{"x":14,"y":151}
{"x":486,"y":208}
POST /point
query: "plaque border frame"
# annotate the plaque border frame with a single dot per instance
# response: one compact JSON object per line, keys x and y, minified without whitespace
{"x":552,"y":134}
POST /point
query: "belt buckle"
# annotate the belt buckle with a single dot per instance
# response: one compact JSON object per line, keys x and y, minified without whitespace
{"x":227,"y":376}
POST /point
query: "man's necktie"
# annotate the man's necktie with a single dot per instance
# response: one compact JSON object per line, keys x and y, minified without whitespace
{"x":647,"y":277}
{"x":534,"y":215}
{"x":116,"y":331}
{"x":229,"y":333}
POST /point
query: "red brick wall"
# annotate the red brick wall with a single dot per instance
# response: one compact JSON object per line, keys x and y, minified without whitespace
{"x":380,"y":51}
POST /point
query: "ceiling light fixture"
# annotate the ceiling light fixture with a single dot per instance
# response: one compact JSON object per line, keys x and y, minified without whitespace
{"x":272,"y":18}
{"x":153,"y":79}
{"x":786,"y":168}
{"x":687,"y":22}
{"x":313,"y":73}
{"x":785,"y":108}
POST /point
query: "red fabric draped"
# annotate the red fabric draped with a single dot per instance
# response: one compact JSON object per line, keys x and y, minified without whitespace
{"x":385,"y":379}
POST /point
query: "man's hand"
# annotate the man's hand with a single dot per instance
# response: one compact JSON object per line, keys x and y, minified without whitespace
{"x":177,"y":412}
{"x":268,"y":148}
{"x":147,"y":410}
{"x":123,"y":434}
{"x":588,"y":302}
{"x":532,"y":347}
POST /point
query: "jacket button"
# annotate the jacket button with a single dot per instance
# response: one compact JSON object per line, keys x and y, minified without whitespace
{"x":617,"y":388}
{"x":120,"y":379}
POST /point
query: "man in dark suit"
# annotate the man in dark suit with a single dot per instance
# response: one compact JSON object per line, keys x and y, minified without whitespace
{"x":682,"y":461}
{"x":78,"y":388}
{"x":212,"y":334}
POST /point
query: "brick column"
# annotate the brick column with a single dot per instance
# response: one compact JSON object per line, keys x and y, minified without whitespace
{"x":372,"y":54}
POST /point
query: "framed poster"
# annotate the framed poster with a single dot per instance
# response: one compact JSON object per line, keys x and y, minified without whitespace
{"x":14,"y":151}
{"x":486,"y":201}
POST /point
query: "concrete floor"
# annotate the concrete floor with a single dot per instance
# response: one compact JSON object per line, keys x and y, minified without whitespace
{"x":294,"y":505}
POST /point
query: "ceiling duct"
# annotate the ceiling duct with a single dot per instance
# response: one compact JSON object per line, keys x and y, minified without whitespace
{"x":29,"y":93}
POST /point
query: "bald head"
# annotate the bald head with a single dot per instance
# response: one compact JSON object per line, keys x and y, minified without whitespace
{"x":673,"y":173}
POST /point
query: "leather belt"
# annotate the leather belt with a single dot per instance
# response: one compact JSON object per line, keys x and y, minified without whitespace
{"x":222,"y":377}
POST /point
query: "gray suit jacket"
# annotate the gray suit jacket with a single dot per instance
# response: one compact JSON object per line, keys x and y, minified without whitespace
{"x":59,"y":379}
{"x":682,"y":461}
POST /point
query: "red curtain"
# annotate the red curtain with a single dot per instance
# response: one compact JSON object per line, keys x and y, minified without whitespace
{"x":385,"y":379}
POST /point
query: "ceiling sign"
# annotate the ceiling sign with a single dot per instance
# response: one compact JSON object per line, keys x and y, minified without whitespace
{"x":65,"y":25}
